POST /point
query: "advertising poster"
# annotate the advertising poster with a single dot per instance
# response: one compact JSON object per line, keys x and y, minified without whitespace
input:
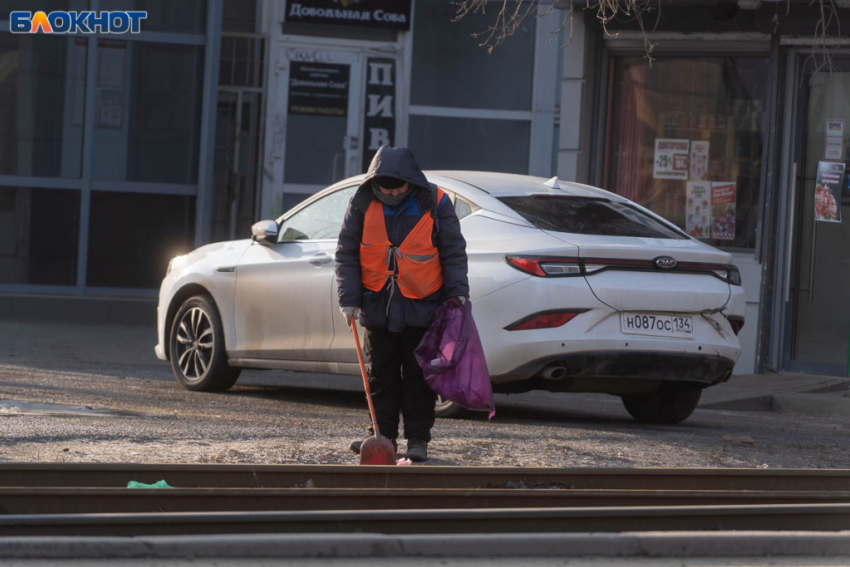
{"x":699,"y":160}
{"x":834,"y":147}
{"x":698,"y":209}
{"x":723,"y":198}
{"x":318,"y":89}
{"x":828,"y":191}
{"x":671,"y":159}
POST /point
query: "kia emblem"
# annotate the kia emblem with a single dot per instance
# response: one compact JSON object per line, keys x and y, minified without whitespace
{"x":665,"y":262}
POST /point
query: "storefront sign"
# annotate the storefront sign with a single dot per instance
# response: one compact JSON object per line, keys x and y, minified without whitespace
{"x":834,"y":147}
{"x":724,"y":196}
{"x":828,"y":191}
{"x":699,"y":160}
{"x":698,"y":209}
{"x":379,"y":122}
{"x":671,"y":159}
{"x":386,"y":14}
{"x":318,"y":89}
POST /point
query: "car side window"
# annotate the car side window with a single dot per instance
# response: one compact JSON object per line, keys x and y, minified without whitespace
{"x":320,"y":220}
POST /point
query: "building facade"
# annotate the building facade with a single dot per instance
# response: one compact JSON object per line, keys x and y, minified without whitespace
{"x":118,"y":152}
{"x":735,"y":132}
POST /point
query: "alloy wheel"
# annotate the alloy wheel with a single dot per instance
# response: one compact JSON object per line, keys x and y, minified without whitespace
{"x":195,"y":343}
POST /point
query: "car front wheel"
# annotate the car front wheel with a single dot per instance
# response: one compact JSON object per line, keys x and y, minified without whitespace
{"x":198,"y":357}
{"x":672,"y":403}
{"x":445,"y":408}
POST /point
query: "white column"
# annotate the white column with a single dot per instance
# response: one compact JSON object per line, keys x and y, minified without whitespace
{"x":572,"y":91}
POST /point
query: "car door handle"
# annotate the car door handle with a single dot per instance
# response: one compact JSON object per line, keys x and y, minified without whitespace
{"x":320,"y":259}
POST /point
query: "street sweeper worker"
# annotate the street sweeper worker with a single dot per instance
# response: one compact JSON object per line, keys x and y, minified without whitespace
{"x":400,"y":254}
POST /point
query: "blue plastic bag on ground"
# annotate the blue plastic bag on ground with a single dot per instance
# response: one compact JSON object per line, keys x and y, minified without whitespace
{"x":452,"y":358}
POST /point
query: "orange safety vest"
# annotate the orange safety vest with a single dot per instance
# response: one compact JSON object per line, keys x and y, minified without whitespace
{"x":418,"y":260}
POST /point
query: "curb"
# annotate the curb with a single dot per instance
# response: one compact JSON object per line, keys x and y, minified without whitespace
{"x":819,"y":405}
{"x":816,"y":405}
{"x":635,"y":544}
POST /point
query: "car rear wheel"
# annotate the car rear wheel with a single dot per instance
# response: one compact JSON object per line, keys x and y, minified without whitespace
{"x":445,"y":408}
{"x":672,"y":403}
{"x":198,"y":357}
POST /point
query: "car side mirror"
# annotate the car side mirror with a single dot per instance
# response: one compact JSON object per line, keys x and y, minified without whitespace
{"x":264,"y":231}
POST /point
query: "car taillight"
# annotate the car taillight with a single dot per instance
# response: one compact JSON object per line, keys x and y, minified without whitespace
{"x":543,"y":321}
{"x":737,"y":324}
{"x":734,"y":277}
{"x":545,"y":267}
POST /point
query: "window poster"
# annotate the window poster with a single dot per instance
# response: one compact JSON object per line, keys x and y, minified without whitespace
{"x":698,"y":209}
{"x":671,"y":159}
{"x":699,"y":160}
{"x":318,"y":89}
{"x":724,"y":196}
{"x":834,"y":146}
{"x":828,"y":191}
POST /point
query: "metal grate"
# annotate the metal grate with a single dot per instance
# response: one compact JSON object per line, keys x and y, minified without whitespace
{"x":242,"y":60}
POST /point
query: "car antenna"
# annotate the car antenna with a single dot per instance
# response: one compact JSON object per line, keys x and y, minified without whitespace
{"x":553,"y":183}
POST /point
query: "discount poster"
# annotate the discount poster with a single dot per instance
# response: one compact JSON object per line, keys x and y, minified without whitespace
{"x":698,"y":209}
{"x":828,"y":191}
{"x":723,"y":199}
{"x":671,"y":159}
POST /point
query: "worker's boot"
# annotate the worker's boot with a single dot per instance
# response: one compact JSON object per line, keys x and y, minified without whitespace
{"x":355,"y":446}
{"x":417,"y":450}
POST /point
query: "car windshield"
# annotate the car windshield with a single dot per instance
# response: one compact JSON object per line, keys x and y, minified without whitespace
{"x":588,"y":215}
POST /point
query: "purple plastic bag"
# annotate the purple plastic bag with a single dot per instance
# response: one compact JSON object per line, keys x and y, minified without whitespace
{"x":452,"y":358}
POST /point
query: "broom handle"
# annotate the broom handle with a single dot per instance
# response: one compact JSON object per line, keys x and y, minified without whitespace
{"x":365,"y":379}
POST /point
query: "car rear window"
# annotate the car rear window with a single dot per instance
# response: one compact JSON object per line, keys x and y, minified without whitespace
{"x":586,"y":215}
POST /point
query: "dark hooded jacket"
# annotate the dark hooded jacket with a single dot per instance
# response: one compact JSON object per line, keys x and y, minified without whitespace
{"x":393,"y":310}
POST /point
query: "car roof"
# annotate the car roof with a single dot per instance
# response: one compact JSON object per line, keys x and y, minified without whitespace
{"x":485,"y":187}
{"x":512,"y":184}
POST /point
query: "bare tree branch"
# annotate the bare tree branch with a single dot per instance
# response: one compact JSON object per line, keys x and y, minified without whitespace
{"x":510,"y":15}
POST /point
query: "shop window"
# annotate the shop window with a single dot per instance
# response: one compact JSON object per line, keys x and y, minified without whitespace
{"x":132,"y":236}
{"x":42,"y":105}
{"x":185,"y":16}
{"x":687,"y":139}
{"x":240,"y":16}
{"x":451,"y":69}
{"x":470,"y":143}
{"x":148,"y":112}
{"x":241,"y":62}
{"x":39,"y":232}
{"x":7,"y":6}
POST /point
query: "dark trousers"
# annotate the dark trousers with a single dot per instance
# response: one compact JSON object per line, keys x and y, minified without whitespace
{"x":398,"y":384}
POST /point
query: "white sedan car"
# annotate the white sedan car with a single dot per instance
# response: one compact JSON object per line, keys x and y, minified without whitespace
{"x":574,"y":289}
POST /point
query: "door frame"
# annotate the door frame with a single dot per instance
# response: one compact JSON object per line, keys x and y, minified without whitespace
{"x":792,"y":176}
{"x":341,"y":54}
{"x":238,"y":94}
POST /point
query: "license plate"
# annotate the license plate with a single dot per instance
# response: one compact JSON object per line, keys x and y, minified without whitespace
{"x":657,"y":325}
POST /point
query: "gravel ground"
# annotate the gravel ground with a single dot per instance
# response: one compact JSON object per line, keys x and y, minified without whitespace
{"x":95,"y":393}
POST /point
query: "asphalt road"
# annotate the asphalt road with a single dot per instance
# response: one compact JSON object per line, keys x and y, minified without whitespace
{"x":96,"y":393}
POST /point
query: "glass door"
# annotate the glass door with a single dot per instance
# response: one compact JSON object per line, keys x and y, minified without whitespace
{"x":820,"y":328}
{"x":323,"y":120}
{"x":236,"y":151}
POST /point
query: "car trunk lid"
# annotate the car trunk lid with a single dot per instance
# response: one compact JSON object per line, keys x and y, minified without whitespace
{"x":646,"y":274}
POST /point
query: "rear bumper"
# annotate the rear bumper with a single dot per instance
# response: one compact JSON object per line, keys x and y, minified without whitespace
{"x":659,"y":366}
